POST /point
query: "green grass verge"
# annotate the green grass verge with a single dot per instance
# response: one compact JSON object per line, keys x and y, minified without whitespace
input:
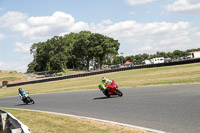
{"x":9,"y":79}
{"x":50,"y":123}
{"x":180,"y":74}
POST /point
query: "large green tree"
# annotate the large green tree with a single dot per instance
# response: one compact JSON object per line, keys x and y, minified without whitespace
{"x":104,"y":48}
{"x":73,"y":50}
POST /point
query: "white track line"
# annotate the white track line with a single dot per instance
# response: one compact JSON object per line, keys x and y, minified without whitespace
{"x":94,"y":119}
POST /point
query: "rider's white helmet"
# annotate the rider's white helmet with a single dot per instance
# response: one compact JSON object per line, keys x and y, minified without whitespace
{"x":103,"y":79}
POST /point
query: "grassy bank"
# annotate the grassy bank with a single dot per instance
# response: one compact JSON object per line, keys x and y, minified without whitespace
{"x":51,"y":123}
{"x":11,"y":76}
{"x":180,"y":74}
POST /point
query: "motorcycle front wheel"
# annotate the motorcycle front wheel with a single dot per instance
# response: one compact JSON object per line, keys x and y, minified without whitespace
{"x":33,"y":102}
{"x":119,"y":93}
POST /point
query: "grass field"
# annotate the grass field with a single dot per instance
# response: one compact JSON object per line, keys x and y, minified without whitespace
{"x":11,"y":76}
{"x":50,"y":123}
{"x":180,"y":74}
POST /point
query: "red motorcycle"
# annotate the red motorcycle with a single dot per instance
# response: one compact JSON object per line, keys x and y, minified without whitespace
{"x":112,"y":89}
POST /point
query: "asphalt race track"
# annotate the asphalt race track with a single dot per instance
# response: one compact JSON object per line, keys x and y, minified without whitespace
{"x":174,"y":108}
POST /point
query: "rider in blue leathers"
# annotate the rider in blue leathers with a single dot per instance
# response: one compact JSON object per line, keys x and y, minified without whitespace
{"x":21,"y":93}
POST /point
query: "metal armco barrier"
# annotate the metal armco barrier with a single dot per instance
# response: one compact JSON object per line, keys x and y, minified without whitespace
{"x":107,"y":71}
{"x":9,"y":124}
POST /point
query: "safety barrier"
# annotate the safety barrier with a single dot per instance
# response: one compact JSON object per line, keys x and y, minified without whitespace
{"x":9,"y":124}
{"x":107,"y":71}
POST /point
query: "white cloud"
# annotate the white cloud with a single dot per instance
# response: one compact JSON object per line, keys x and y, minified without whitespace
{"x":198,"y":34}
{"x":149,"y":37}
{"x":145,"y":37}
{"x":132,"y":13}
{"x":165,"y":44}
{"x":57,"y":17}
{"x":20,"y":27}
{"x":2,"y":36}
{"x":17,"y":66}
{"x":37,"y":27}
{"x":60,"y":23}
{"x":137,"y":2}
{"x":76,"y":27}
{"x":48,"y":26}
{"x":20,"y":66}
{"x":186,"y":6}
{"x":107,"y":22}
{"x":22,"y":47}
{"x":132,"y":29}
{"x":12,"y":18}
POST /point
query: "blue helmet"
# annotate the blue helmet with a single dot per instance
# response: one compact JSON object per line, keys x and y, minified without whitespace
{"x":20,"y":89}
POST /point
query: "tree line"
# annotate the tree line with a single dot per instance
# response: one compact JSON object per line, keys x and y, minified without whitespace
{"x":84,"y":49}
{"x":73,"y":50}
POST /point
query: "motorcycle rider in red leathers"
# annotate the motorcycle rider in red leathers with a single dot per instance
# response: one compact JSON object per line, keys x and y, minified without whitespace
{"x":104,"y":81}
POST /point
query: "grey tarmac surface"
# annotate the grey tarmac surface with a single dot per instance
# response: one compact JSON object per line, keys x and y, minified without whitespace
{"x":173,"y":108}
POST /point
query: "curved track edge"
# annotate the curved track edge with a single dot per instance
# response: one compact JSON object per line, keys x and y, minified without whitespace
{"x":94,"y":119}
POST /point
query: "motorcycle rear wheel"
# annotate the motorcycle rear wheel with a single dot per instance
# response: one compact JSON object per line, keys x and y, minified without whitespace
{"x":105,"y":92}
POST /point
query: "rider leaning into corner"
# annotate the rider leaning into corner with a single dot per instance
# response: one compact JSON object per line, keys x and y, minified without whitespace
{"x":104,"y":81}
{"x":21,"y":93}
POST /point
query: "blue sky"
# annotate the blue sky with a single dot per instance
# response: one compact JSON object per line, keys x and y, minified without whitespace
{"x":141,"y":26}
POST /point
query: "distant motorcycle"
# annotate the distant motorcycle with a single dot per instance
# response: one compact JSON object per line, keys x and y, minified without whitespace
{"x":27,"y":99}
{"x":112,"y":89}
